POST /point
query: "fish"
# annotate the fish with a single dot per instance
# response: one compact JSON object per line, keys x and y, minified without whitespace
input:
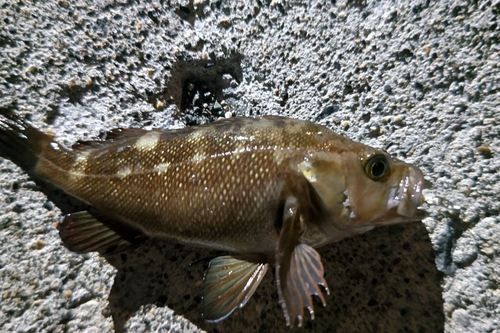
{"x":266,"y":190}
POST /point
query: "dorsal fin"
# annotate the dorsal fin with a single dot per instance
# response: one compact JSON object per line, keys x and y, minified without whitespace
{"x":112,"y":137}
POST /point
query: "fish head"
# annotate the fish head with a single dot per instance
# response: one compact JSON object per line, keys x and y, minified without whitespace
{"x":381,"y":190}
{"x":362,"y":187}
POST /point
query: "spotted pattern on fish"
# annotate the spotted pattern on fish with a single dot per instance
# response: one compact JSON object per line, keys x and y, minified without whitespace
{"x":270,"y":189}
{"x":189,"y":162}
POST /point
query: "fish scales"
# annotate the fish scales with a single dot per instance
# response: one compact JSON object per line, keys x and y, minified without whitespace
{"x":197,"y":181}
{"x":268,"y":190}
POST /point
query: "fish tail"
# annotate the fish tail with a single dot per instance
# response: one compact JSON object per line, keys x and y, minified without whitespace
{"x":20,"y":141}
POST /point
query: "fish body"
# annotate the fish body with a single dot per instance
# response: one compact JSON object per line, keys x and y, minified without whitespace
{"x":269,"y":190}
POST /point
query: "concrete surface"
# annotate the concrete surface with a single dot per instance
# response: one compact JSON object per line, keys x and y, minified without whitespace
{"x":420,"y":79}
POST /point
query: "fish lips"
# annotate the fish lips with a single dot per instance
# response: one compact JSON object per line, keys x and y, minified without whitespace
{"x":403,"y":201}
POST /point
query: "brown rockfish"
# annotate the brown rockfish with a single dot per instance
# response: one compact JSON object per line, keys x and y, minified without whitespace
{"x":268,"y":190}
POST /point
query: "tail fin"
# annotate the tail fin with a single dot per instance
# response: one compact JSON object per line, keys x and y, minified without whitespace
{"x":20,"y":141}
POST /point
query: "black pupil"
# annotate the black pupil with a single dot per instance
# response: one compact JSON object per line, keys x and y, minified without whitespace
{"x":378,"y":169}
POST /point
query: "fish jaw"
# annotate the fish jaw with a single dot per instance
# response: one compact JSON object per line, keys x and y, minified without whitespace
{"x":403,"y":200}
{"x":366,"y":200}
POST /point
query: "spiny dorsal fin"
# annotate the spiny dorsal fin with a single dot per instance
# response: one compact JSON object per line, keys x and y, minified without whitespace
{"x":112,"y":137}
{"x":229,"y":283}
{"x":81,"y":232}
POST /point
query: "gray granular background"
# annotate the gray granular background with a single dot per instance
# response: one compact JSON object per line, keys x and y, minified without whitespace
{"x":420,"y":79}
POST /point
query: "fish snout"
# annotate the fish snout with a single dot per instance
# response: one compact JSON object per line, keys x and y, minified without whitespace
{"x":408,"y":195}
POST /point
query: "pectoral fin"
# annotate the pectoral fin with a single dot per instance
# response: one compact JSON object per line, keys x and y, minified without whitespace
{"x":82,"y":232}
{"x":229,"y":283}
{"x":299,"y":271}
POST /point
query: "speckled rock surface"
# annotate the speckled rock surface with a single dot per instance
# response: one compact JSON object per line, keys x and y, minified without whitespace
{"x":420,"y":79}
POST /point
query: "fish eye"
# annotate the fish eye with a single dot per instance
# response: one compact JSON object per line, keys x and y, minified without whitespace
{"x":377,"y":168}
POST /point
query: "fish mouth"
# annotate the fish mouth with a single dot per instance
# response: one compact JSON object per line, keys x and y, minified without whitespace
{"x":403,"y":200}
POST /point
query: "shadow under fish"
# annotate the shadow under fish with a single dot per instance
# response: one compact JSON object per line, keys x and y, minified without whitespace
{"x":385,"y":280}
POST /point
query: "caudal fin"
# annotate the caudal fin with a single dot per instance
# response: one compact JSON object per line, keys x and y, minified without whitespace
{"x":20,"y":141}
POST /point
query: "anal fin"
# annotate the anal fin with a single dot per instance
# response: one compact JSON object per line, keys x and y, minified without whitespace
{"x":82,"y":232}
{"x":229,"y":283}
{"x":299,"y":271}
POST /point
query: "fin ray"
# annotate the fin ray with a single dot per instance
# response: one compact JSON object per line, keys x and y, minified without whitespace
{"x":229,"y":283}
{"x":20,"y":141}
{"x":112,"y":137}
{"x":299,"y":271}
{"x":81,"y":232}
